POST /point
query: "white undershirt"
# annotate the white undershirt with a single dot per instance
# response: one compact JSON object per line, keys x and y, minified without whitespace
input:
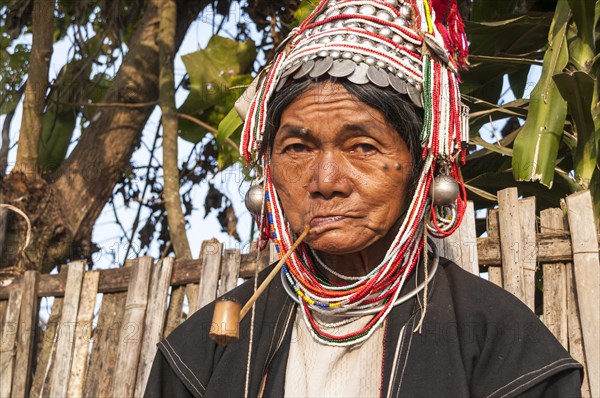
{"x":318,"y":370}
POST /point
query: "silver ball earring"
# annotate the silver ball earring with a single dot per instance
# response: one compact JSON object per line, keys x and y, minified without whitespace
{"x":254,"y":199}
{"x":444,"y":190}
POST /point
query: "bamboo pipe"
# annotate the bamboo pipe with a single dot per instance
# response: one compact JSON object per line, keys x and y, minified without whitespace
{"x":228,"y":315}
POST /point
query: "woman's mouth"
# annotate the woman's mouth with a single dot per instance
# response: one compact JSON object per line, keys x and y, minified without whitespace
{"x":317,"y":222}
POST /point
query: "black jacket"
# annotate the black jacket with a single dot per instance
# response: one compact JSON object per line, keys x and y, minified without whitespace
{"x":477,"y":340}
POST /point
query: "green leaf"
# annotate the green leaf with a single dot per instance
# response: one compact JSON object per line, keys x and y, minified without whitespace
{"x":57,"y":131}
{"x":583,"y":46}
{"x":536,"y":147}
{"x":216,"y":81}
{"x":577,"y":89}
{"x":229,"y":131}
{"x":228,"y":126}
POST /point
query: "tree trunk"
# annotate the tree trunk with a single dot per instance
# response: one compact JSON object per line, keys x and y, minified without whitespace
{"x":166,"y":45}
{"x":63,"y":207}
{"x":35,"y":89}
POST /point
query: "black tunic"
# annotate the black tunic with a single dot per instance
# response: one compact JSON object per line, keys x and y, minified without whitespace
{"x":477,"y":340}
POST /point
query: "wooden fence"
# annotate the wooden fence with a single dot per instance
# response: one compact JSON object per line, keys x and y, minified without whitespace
{"x":101,"y":335}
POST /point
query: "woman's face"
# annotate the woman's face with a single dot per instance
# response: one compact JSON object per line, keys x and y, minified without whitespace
{"x":339,"y":167}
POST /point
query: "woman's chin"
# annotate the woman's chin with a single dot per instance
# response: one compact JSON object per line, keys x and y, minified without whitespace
{"x":339,"y":244}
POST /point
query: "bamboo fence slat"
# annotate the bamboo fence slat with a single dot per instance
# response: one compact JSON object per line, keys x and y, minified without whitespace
{"x":494,"y":271}
{"x":574,"y":330}
{"x":555,"y":283}
{"x":155,"y":319}
{"x":83,"y":333}
{"x":130,"y":341}
{"x":45,"y":358}
{"x":3,"y":307}
{"x":27,"y":325}
{"x":8,"y":341}
{"x":99,"y":376}
{"x":527,"y":249}
{"x":211,"y":263}
{"x":587,"y":279}
{"x":68,"y":321}
{"x":229,"y":270}
{"x":461,"y":246}
{"x":174,"y":313}
{"x":511,"y":242}
{"x":192,"y":292}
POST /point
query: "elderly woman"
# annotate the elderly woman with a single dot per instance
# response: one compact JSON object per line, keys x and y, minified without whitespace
{"x":357,"y":130}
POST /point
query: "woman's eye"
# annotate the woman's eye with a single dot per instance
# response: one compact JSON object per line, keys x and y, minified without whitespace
{"x":364,"y":148}
{"x":296,"y":148}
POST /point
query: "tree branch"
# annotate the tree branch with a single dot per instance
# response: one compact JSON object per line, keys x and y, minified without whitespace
{"x":199,"y":122}
{"x":6,"y":137}
{"x":111,"y":104}
{"x":208,"y":127}
{"x":166,"y":46}
{"x":37,"y":84}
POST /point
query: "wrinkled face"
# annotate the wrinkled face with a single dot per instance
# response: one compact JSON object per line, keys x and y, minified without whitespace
{"x":339,"y":167}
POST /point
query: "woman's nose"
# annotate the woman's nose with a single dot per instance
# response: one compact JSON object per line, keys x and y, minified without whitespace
{"x":329,"y":177}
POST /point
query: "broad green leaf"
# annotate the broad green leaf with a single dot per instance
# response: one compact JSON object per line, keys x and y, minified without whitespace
{"x":216,"y":80}
{"x":577,"y":89}
{"x":229,"y":131}
{"x":536,"y":147}
{"x":582,"y":49}
{"x":228,"y":126}
{"x":212,"y":115}
{"x":57,"y":131}
{"x":209,"y":69}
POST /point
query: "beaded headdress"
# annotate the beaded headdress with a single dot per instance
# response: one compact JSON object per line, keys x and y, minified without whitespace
{"x":415,"y":47}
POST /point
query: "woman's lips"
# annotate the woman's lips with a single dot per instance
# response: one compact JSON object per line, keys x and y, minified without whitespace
{"x":317,"y":222}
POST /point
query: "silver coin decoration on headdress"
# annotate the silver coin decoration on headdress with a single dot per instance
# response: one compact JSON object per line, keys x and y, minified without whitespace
{"x":356,"y":44}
